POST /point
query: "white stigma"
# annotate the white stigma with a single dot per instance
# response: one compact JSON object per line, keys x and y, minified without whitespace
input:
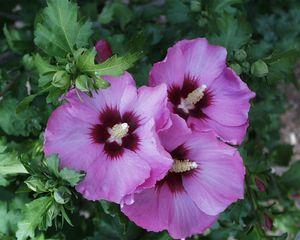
{"x":180,"y":166}
{"x":192,"y":98}
{"x":117,"y":132}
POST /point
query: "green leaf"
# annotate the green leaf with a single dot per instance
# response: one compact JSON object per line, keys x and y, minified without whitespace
{"x":177,"y":11}
{"x":9,"y":165}
{"x":234,"y":33}
{"x":71,"y":176}
{"x":291,"y":178}
{"x":52,"y":163}
{"x":59,"y":31}
{"x":34,"y":216}
{"x":114,"y":66}
{"x":43,"y":66}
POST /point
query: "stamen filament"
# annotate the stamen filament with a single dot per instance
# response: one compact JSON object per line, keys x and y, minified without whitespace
{"x":193,"y":97}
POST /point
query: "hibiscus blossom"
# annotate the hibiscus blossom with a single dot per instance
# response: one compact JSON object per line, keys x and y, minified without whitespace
{"x":112,"y":137}
{"x":203,"y":90}
{"x":206,"y":177}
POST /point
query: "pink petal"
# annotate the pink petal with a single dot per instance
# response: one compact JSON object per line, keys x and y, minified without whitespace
{"x":169,"y":140}
{"x":185,"y":218}
{"x":219,"y":178}
{"x":170,"y":70}
{"x":202,"y":60}
{"x":150,"y":150}
{"x":231,"y":96}
{"x":152,"y":103}
{"x":69,"y":137}
{"x":158,"y":209}
{"x":115,"y":178}
{"x":231,"y":134}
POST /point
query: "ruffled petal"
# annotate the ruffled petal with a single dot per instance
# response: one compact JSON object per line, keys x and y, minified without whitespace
{"x":185,"y":218}
{"x":150,"y":150}
{"x":150,"y":209}
{"x":232,"y":134}
{"x":69,"y":137}
{"x":171,"y":70}
{"x":115,"y":178}
{"x":231,"y":96}
{"x":168,"y":139}
{"x":219,"y":179}
{"x":152,"y":103}
{"x":202,"y":60}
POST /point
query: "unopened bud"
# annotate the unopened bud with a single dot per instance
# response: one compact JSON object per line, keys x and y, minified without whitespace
{"x":260,"y":184}
{"x":83,"y":83}
{"x":103,"y":50}
{"x":240,"y":55}
{"x":61,"y":79}
{"x":259,"y":69}
{"x":62,"y":195}
{"x":101,"y":83}
{"x":268,"y":222}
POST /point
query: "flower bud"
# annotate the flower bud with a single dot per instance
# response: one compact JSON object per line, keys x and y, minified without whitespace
{"x":237,"y":68}
{"x":70,"y":68}
{"x":268,"y":222}
{"x":103,"y":50}
{"x":246,"y":66}
{"x":27,"y":61}
{"x":101,"y":83}
{"x":240,"y":55}
{"x":83,"y":83}
{"x":259,"y":69}
{"x":61,"y":79}
{"x":195,"y":6}
{"x":62,"y":195}
{"x":260,"y":184}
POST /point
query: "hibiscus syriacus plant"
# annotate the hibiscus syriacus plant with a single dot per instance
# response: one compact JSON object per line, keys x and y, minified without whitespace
{"x":148,"y":120}
{"x":160,"y":151}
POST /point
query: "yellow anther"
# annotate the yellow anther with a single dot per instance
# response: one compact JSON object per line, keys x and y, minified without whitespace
{"x":193,"y":97}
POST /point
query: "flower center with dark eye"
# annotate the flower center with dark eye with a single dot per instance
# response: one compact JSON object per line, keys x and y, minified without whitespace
{"x":181,"y":167}
{"x":116,"y":132}
{"x":191,"y":98}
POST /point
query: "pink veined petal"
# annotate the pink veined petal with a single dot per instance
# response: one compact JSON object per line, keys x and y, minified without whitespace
{"x":169,"y":140}
{"x":158,"y":209}
{"x":231,"y":134}
{"x":151,"y":103}
{"x":202,"y":60}
{"x":219,"y":178}
{"x":115,"y":178}
{"x":185,"y":218}
{"x":170,"y":70}
{"x":150,"y":150}
{"x":150,"y":209}
{"x":69,"y":137}
{"x":231,"y":96}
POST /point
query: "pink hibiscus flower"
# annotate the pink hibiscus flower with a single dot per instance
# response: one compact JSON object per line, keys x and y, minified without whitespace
{"x":112,"y":137}
{"x":203,"y":90}
{"x":206,"y":177}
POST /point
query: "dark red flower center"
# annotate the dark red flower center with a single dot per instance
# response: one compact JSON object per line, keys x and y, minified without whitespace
{"x":174,"y":178}
{"x":190,"y":99}
{"x":116,"y":132}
